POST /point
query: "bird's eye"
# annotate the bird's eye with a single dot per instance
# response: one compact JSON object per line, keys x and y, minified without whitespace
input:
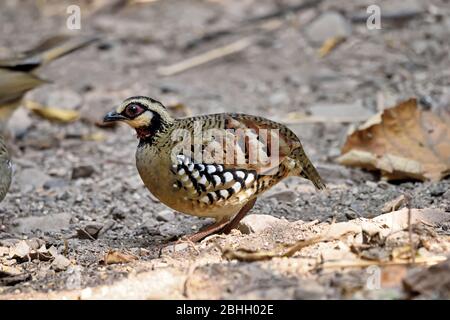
{"x":133,"y":110}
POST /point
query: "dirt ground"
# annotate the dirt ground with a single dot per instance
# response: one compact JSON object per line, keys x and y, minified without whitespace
{"x":77,"y":175}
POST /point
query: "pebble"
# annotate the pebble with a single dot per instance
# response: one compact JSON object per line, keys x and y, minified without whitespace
{"x":169,"y":230}
{"x":256,"y":223}
{"x":328,"y":25}
{"x":52,"y":222}
{"x":64,"y":98}
{"x":30,"y":179}
{"x":165,"y":215}
{"x":284,"y":196}
{"x":437,"y":190}
{"x":83,"y":171}
{"x":60,"y":263}
{"x":355,"y":111}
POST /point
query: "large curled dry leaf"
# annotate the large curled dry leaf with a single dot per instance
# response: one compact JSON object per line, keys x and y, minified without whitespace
{"x":404,"y":142}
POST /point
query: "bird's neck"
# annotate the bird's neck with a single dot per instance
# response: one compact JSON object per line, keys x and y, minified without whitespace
{"x":151,"y":133}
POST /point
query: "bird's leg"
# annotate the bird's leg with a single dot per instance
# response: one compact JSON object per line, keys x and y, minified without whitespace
{"x":221,"y":226}
{"x":203,"y":233}
{"x":241,"y":214}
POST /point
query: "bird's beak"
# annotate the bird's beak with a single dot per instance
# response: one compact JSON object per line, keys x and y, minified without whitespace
{"x":113,"y":116}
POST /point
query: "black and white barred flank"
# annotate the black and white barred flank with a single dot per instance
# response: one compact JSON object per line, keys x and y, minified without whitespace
{"x":211,"y":183}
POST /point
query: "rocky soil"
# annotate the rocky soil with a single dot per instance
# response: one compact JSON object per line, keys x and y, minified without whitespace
{"x":77,"y":204}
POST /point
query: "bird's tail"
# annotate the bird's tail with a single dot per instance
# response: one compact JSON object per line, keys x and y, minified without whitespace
{"x":46,"y":51}
{"x":308,"y":170}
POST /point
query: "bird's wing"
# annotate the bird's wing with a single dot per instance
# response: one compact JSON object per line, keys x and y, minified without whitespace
{"x":230,"y":157}
{"x":13,"y":84}
{"x":46,"y":51}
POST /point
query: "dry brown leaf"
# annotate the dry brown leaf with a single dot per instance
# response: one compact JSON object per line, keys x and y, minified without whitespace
{"x":114,"y":257}
{"x":394,"y":204}
{"x":329,"y":44}
{"x":90,"y":232}
{"x":53,"y":114}
{"x":247,"y":255}
{"x":392,"y":276}
{"x":97,"y":137}
{"x":403,"y":142}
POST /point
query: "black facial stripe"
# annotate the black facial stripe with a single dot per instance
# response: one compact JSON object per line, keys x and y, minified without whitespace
{"x":156,"y":125}
{"x":133,"y":99}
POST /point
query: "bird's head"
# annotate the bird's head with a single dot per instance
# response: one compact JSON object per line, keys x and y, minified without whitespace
{"x":145,"y":115}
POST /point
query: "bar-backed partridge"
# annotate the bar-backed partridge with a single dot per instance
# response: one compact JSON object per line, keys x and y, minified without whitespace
{"x":17,"y":74}
{"x":211,"y":165}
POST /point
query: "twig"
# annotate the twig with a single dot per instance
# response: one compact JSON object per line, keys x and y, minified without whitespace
{"x":66,"y":247}
{"x":205,"y":57}
{"x":260,"y":20}
{"x":410,"y":232}
{"x":191,"y":271}
{"x":302,"y":244}
{"x":389,"y":17}
{"x":362,"y":264}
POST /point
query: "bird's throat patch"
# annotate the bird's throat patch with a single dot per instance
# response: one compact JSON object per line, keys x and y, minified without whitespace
{"x":144,"y":132}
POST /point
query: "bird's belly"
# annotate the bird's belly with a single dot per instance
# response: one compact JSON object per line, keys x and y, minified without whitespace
{"x":178,"y":201}
{"x":161,"y":184}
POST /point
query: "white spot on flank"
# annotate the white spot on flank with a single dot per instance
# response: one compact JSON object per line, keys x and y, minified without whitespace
{"x":240,"y":174}
{"x":236,"y":187}
{"x":224,"y":193}
{"x":195,"y":174}
{"x":204,"y":199}
{"x":181,"y":172}
{"x":250,"y":179}
{"x":216,"y":180}
{"x":228,"y":176}
{"x":210,"y":169}
{"x":180,"y":159}
{"x":214,"y":195}
{"x":202,"y":180}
